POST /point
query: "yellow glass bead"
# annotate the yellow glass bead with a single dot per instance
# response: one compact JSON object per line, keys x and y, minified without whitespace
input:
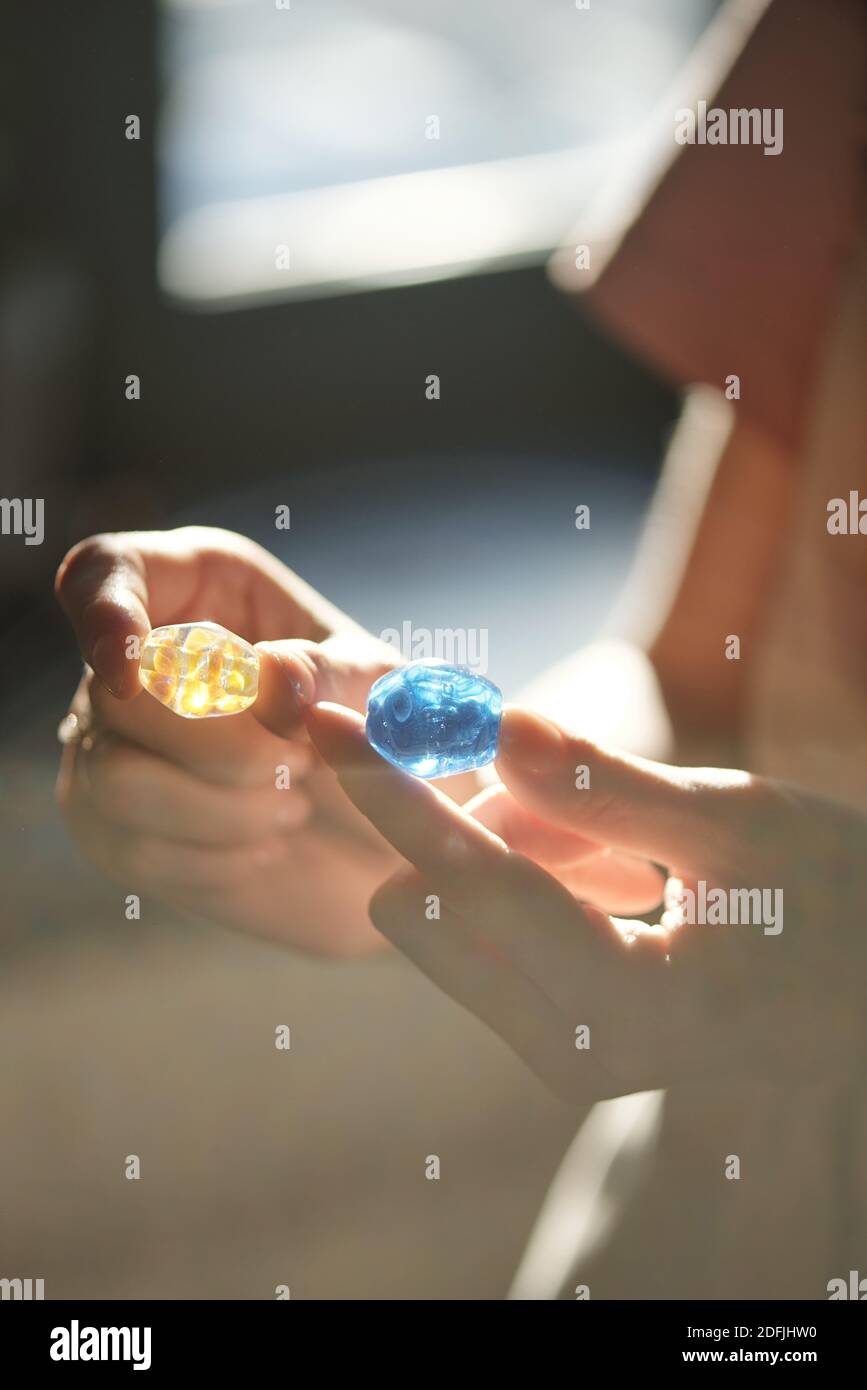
{"x":199,"y":670}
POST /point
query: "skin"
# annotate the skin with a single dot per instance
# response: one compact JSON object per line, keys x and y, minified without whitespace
{"x":191,"y":807}
{"x":681,"y":1003}
{"x":758,"y":1040}
{"x":734,"y":1025}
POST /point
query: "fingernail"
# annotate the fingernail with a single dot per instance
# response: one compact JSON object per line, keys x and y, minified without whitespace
{"x":299,"y":676}
{"x":533,"y":743}
{"x":101,"y":661}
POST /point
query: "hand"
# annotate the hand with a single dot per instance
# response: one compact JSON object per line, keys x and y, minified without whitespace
{"x":189,"y":811}
{"x":682,"y":1002}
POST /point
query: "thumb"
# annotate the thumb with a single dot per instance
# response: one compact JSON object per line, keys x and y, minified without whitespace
{"x":697,"y":819}
{"x":296,"y":673}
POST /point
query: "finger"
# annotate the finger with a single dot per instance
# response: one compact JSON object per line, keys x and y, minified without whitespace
{"x":108,"y":585}
{"x":294,"y":674}
{"x":654,"y":1032}
{"x":611,"y":880}
{"x":696,"y":818}
{"x":102,"y":587}
{"x":186,"y":873}
{"x":552,"y":846}
{"x":498,"y":891}
{"x":136,"y":791}
{"x":422,"y":824}
{"x":573,"y":954}
{"x":221,"y":752}
{"x":536,"y":1010}
{"x":478,"y":978}
{"x":112,"y":586}
{"x":615,"y":882}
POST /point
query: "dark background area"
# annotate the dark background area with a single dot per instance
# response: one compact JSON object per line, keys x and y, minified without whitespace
{"x":251,"y":394}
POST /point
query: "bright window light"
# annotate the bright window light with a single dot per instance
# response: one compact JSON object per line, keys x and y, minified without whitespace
{"x":330,"y":146}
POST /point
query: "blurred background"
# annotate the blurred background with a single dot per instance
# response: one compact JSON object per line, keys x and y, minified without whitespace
{"x":301,"y":385}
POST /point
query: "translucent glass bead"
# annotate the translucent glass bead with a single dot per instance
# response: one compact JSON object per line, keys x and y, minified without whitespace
{"x":433,"y":719}
{"x":199,"y":669}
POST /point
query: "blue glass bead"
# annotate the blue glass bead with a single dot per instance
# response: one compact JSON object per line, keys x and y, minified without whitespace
{"x":434,"y":719}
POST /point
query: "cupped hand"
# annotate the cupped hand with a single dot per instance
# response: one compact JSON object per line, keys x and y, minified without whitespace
{"x":494,"y":920}
{"x":197,"y":813}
